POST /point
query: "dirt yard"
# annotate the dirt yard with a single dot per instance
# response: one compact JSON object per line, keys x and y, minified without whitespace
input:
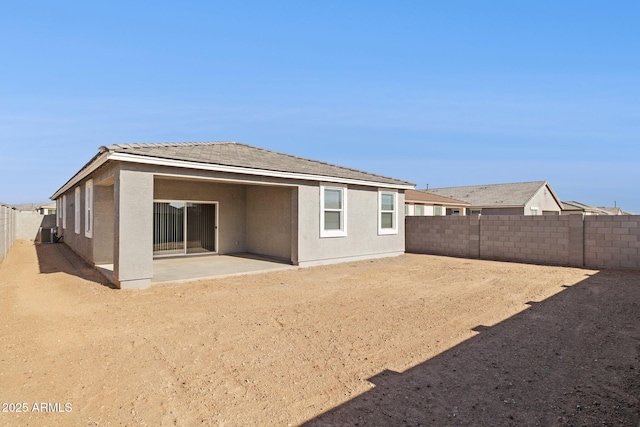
{"x":414,"y":340}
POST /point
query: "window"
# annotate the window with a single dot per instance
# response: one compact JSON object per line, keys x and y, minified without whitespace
{"x":58,"y":212}
{"x":64,"y":211}
{"x":437,"y":210}
{"x":88,"y":209}
{"x":476,"y":211}
{"x":534,"y":211}
{"x":419,"y":210}
{"x":387,"y":212}
{"x":333,"y":211}
{"x":76,"y":206}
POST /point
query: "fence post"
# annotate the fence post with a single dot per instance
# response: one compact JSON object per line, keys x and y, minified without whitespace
{"x":576,"y":240}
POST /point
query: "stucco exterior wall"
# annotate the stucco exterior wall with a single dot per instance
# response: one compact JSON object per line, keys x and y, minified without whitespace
{"x":269,"y":221}
{"x":81,"y":244}
{"x":104,"y":224}
{"x":362,"y":240}
{"x":133,"y":237}
{"x":544,"y":201}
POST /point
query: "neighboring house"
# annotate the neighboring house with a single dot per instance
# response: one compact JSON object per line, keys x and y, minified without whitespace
{"x":134,"y":202}
{"x":424,"y":203}
{"x":521,"y":198}
{"x":573,"y":207}
{"x":48,"y":209}
{"x":614,"y":211}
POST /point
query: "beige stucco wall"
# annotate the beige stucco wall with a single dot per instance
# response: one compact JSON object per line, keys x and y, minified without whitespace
{"x":81,"y":244}
{"x":544,"y":201}
{"x":269,"y":221}
{"x":362,"y":240}
{"x":104,"y":223}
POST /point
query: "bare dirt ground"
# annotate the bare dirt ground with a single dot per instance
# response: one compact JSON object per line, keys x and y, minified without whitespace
{"x":413,"y":340}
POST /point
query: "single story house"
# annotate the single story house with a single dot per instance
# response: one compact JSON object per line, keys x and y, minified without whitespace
{"x":521,"y":198}
{"x":132,"y":203}
{"x":424,"y":203}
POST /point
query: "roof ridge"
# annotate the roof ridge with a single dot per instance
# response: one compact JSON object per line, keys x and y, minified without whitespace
{"x":162,"y":144}
{"x":484,"y":185}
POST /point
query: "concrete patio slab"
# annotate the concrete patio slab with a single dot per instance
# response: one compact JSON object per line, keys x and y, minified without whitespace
{"x":181,"y":269}
{"x":199,"y":267}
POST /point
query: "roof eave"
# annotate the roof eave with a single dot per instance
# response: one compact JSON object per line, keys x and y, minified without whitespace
{"x":106,"y":154}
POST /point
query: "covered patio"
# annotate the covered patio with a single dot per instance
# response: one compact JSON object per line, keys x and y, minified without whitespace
{"x":182,"y":269}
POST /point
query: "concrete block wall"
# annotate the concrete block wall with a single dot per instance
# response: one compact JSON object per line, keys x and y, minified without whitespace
{"x":7,"y":229}
{"x":612,"y":241}
{"x":440,"y":235}
{"x":572,"y":240}
{"x":535,"y":239}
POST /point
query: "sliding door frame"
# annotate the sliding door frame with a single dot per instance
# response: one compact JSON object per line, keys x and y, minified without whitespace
{"x":215,"y":226}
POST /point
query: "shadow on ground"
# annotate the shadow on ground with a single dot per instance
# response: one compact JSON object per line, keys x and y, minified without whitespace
{"x":572,"y":360}
{"x":58,"y":258}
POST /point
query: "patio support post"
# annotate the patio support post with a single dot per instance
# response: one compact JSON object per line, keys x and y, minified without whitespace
{"x":133,"y":240}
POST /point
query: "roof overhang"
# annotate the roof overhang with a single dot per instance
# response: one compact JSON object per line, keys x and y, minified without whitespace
{"x":102,"y":158}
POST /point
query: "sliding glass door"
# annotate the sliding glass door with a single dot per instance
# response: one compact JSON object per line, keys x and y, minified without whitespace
{"x":181,"y":228}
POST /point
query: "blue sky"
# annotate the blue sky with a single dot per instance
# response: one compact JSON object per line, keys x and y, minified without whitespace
{"x":439,"y":93}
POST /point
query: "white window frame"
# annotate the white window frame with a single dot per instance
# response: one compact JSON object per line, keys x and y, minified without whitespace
{"x":535,"y":211}
{"x":437,"y":211}
{"x":76,"y":207}
{"x":88,"y":209}
{"x":421,"y":207}
{"x":64,"y":211}
{"x":342,"y":232}
{"x":58,"y":212}
{"x":394,"y":229}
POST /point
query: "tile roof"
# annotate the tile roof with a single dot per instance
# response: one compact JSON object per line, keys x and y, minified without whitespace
{"x":245,"y":156}
{"x":493,"y":195}
{"x":428,"y":197}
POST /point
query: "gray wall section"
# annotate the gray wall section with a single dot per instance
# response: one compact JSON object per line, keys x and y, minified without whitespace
{"x":592,"y":241}
{"x":82,"y":245}
{"x":28,"y":225}
{"x":133,"y":241}
{"x":612,"y":241}
{"x":104,"y":223}
{"x":362,"y":240}
{"x":7,"y":229}
{"x":499,"y":211}
{"x":269,"y":221}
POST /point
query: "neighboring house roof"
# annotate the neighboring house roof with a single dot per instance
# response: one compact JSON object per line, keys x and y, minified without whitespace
{"x":573,"y":206}
{"x":496,"y":195}
{"x":612,"y":211}
{"x":421,"y":196}
{"x":231,"y":157}
{"x":28,"y":207}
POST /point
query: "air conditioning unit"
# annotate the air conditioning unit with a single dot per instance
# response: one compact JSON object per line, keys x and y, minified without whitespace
{"x":48,"y":234}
